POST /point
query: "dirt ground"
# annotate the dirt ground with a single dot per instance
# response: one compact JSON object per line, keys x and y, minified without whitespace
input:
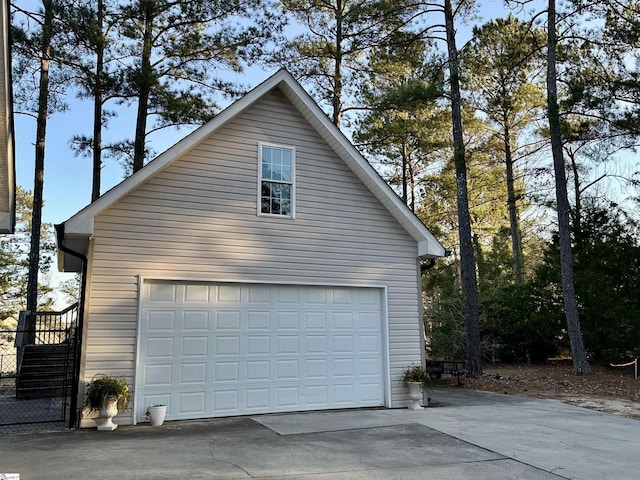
{"x":611,"y":390}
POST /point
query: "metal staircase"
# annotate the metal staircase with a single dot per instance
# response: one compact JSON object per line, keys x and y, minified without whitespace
{"x":45,"y":371}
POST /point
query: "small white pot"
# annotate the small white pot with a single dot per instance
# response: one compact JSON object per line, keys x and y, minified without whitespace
{"x":107,"y":412}
{"x":156,"y":414}
{"x":416,"y":395}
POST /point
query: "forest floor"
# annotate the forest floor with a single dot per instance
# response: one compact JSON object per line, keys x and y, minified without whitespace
{"x":611,"y":390}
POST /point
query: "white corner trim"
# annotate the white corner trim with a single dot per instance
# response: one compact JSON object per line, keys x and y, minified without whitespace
{"x":386,"y":354}
{"x":136,"y":364}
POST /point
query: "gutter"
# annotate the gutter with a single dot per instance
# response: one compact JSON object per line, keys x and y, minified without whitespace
{"x":73,"y":410}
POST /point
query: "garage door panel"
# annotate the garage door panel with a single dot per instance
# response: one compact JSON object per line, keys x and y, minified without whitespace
{"x":258,"y":349}
{"x":161,"y":292}
{"x":316,"y":320}
{"x":195,"y":321}
{"x":259,"y":294}
{"x":228,"y":294}
{"x":193,"y":374}
{"x":257,"y":398}
{"x":197,"y":293}
{"x":161,"y":321}
{"x":369,"y":321}
{"x":193,"y":346}
{"x":316,"y":344}
{"x":258,"y":345}
{"x":259,"y":320}
{"x":159,"y":347}
{"x":228,"y":320}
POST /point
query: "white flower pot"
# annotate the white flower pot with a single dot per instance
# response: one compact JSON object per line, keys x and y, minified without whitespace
{"x":107,"y":412}
{"x":156,"y":414}
{"x":416,"y":395}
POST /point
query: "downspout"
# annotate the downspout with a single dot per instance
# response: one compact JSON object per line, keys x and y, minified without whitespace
{"x":427,"y":266}
{"x":432,"y":262}
{"x":73,"y":410}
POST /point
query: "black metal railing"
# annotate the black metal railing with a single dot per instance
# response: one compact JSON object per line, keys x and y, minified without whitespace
{"x":47,"y":328}
{"x":37,"y":363}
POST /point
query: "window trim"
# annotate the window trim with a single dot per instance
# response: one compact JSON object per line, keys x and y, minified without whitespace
{"x":292,"y":149}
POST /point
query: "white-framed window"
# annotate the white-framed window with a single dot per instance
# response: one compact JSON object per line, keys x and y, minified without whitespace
{"x":276,"y":183}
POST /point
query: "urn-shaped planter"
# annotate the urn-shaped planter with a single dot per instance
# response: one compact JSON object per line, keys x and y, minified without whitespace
{"x":107,"y":412}
{"x":416,"y":379}
{"x":415,"y":394}
{"x":156,"y":414}
{"x":107,"y":395}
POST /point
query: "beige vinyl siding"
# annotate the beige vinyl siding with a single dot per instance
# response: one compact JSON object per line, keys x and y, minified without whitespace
{"x":197,"y":219}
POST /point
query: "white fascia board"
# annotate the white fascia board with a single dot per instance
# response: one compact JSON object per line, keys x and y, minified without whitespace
{"x":428,"y":245}
{"x":429,"y":249}
{"x":81,"y":225}
{"x":82,"y":222}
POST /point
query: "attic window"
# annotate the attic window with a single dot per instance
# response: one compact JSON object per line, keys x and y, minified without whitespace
{"x":277,"y":172}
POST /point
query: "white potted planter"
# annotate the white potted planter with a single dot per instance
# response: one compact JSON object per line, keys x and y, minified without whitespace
{"x":107,"y":412}
{"x":107,"y":395}
{"x":416,"y":395}
{"x":156,"y":414}
{"x":416,"y":379}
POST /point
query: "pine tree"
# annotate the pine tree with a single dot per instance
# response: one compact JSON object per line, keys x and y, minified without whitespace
{"x":176,"y":49}
{"x":35,"y":42}
{"x":90,"y":27}
{"x":578,"y":352}
{"x":502,"y":62}
{"x":331,"y":55}
{"x":467,"y":257}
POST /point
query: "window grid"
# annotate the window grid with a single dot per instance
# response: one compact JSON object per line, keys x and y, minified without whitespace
{"x":276,"y":180}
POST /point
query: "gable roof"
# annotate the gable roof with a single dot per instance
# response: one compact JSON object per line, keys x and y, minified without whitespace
{"x":80,"y":226}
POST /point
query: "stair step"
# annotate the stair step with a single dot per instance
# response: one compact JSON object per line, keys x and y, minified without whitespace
{"x":35,"y":376}
{"x":31,"y":364}
{"x":49,"y":383}
{"x":44,"y":371}
{"x":46,"y":392}
{"x":46,"y":348}
{"x":37,"y":354}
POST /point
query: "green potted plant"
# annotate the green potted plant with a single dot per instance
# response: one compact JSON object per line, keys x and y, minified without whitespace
{"x":416,"y":379}
{"x":107,"y":395}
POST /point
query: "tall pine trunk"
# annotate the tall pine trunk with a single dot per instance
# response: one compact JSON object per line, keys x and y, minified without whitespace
{"x":467,"y":258}
{"x":38,"y":183}
{"x":514,"y":224}
{"x":145,"y":85}
{"x":337,"y":70}
{"x":580,"y":362}
{"x":97,"y":105}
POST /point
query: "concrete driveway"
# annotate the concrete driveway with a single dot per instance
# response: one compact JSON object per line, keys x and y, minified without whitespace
{"x":464,"y":435}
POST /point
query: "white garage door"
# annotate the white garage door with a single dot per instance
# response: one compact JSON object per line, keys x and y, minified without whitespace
{"x":216,"y":350}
